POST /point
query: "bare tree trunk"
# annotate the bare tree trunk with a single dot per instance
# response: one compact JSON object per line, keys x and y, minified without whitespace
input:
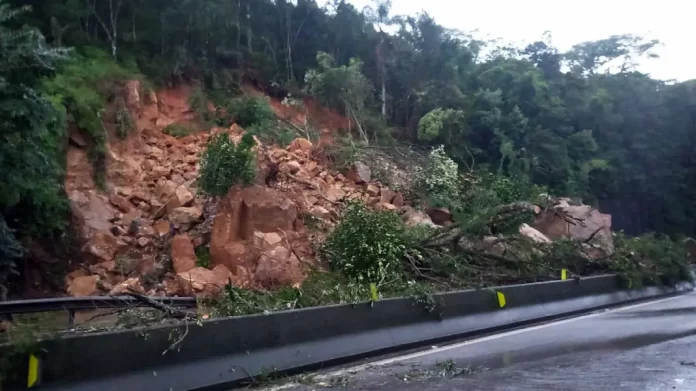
{"x":112,"y":30}
{"x":249,"y":36}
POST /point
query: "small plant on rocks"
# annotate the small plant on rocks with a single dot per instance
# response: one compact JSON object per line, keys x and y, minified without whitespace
{"x":225,"y":164}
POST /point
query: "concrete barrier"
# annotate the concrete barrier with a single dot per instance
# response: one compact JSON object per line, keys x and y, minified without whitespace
{"x":225,"y":352}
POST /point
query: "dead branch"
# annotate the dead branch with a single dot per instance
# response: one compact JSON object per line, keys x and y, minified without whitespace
{"x":168,"y":310}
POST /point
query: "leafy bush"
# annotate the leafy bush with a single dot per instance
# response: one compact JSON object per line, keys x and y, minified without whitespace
{"x":649,"y":258}
{"x":366,"y":245}
{"x":273,"y":133}
{"x":178,"y":130}
{"x":83,"y":86}
{"x":225,"y":164}
{"x":439,"y":122}
{"x":250,"y":111}
{"x":439,"y":180}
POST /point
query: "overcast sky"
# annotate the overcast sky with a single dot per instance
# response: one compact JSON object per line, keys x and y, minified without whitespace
{"x":571,"y":22}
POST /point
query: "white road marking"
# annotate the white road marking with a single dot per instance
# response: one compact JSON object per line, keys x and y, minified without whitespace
{"x":392,"y":360}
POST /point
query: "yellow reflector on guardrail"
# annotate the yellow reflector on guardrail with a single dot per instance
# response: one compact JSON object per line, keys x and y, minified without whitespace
{"x":501,"y":299}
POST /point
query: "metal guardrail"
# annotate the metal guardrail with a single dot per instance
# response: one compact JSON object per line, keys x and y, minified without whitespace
{"x":72,"y":304}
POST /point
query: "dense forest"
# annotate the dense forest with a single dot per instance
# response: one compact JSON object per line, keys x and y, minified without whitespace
{"x":582,"y":123}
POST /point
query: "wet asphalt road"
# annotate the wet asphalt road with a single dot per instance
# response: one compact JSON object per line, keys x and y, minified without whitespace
{"x":649,"y":346}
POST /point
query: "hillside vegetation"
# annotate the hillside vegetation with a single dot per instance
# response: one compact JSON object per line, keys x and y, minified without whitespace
{"x":505,"y":127}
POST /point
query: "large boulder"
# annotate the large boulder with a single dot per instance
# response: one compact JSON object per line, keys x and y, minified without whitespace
{"x":103,"y":246}
{"x":359,"y":173}
{"x":84,"y":286}
{"x":582,"y":223}
{"x":279,"y":266}
{"x":200,"y":281}
{"x":240,"y":214}
{"x":413,"y":218}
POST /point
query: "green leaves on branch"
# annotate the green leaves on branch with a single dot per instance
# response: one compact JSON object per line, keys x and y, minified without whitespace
{"x":367,"y":245}
{"x":439,"y":180}
{"x":225,"y":164}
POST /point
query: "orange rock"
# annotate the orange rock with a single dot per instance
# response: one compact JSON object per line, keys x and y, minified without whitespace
{"x":184,"y":215}
{"x":104,"y":246}
{"x":183,"y":254}
{"x":161,"y":228}
{"x":182,"y":197}
{"x":311,"y":166}
{"x":398,"y":200}
{"x":200,"y":281}
{"x":301,"y":145}
{"x":279,"y":266}
{"x":372,"y":190}
{"x":130,"y":285}
{"x":121,"y":203}
{"x":386,"y":195}
{"x":84,"y":286}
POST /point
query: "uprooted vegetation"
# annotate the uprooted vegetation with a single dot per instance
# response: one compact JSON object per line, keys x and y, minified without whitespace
{"x":487,"y":243}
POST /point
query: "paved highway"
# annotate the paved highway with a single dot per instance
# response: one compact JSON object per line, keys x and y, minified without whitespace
{"x":648,"y":346}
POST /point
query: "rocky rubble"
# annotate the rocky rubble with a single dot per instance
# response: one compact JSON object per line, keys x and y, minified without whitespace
{"x":142,"y":230}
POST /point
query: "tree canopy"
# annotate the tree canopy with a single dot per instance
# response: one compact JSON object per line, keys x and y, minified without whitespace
{"x":583,"y":122}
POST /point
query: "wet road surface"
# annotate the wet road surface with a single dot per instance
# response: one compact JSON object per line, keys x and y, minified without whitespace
{"x":648,"y":346}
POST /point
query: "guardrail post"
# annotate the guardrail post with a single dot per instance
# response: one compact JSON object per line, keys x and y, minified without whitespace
{"x":71,"y":317}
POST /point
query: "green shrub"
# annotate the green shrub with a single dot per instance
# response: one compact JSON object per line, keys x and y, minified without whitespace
{"x":366,"y":245}
{"x":178,"y":130}
{"x":83,"y":85}
{"x":439,"y":180}
{"x":649,"y":258}
{"x":248,"y":111}
{"x":225,"y":164}
{"x":273,"y":133}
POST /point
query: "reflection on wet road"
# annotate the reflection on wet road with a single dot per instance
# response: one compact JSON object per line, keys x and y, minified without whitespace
{"x":649,"y":346}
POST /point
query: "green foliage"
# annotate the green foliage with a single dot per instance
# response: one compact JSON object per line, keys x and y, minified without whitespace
{"x":342,"y":87}
{"x":274,"y":134}
{"x":203,"y":257}
{"x":439,"y":180}
{"x":649,"y":259}
{"x":83,"y":85}
{"x":248,"y":111}
{"x":224,"y":164}
{"x":442,"y":123}
{"x":178,"y":129}
{"x":366,"y":245}
{"x":32,"y":131}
